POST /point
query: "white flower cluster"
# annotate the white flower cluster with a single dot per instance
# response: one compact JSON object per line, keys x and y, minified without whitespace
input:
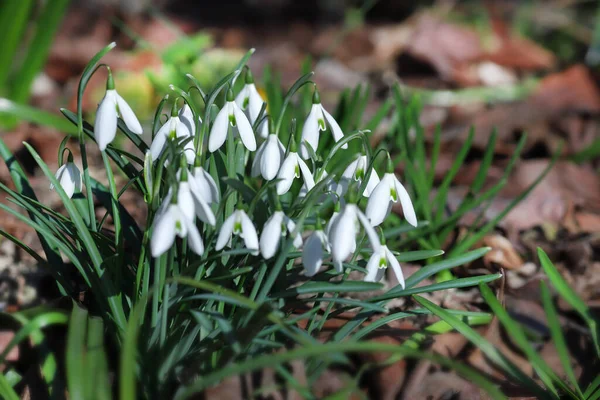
{"x":195,"y":194}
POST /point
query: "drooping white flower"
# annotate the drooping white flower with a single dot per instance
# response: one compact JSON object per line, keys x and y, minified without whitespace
{"x":177,"y":127}
{"x":186,"y":116}
{"x":111,"y":107}
{"x":268,"y":158}
{"x":312,"y":253}
{"x":238,"y":223}
{"x":232,"y":115}
{"x":69,"y":177}
{"x":292,"y":167}
{"x":387,"y":192}
{"x":379,"y":262}
{"x":249,"y":99}
{"x":276,"y":226}
{"x":172,"y":222}
{"x":206,"y":185}
{"x":342,"y":236}
{"x":191,"y":200}
{"x":317,"y":120}
{"x":356,"y":171}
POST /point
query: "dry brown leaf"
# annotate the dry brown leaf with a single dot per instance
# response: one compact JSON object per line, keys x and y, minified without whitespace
{"x":502,"y":252}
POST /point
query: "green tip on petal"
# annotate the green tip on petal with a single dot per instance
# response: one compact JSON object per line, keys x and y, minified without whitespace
{"x":69,"y":156}
{"x":198,"y":161}
{"x":316,"y":97}
{"x":381,"y":237}
{"x":249,"y":77}
{"x":110,"y":82}
{"x":293,"y":144}
{"x":271,"y":125}
{"x":337,"y":206}
{"x":352,"y":195}
{"x":318,"y":224}
{"x":230,"y":96}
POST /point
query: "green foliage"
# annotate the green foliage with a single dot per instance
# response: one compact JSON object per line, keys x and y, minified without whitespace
{"x":180,"y":322}
{"x":550,"y":385}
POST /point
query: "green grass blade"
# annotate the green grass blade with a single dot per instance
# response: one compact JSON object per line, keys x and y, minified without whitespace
{"x":492,"y":353}
{"x":569,"y":295}
{"x":547,"y":376}
{"x":37,"y":116}
{"x":14,"y":17}
{"x":45,"y":28}
{"x":129,"y":353}
{"x":486,"y":162}
{"x":436,"y":267}
{"x":592,"y":387}
{"x":557,"y":336}
{"x":6,"y":390}
{"x":97,"y":383}
{"x":75,"y":358}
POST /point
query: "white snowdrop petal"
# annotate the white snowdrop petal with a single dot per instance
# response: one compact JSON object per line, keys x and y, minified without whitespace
{"x":212,"y":185}
{"x":271,"y":235}
{"x":312,"y":255}
{"x":407,"y":206}
{"x":58,"y":174}
{"x":128,"y":116}
{"x":225,"y":232}
{"x":218,"y":132}
{"x":395,"y":266}
{"x":373,"y":267}
{"x":186,"y":116}
{"x":270,"y":159}
{"x":158,"y":144}
{"x":185,"y":201}
{"x":291,"y":226}
{"x":203,"y":211}
{"x":194,"y":239}
{"x":67,"y":182}
{"x":255,"y":103}
{"x":163,"y":234}
{"x":249,"y":233}
{"x":287,"y":173}
{"x":336,"y":131}
{"x":378,"y":202}
{"x":77,"y":179}
{"x":343,"y":233}
{"x":372,"y":235}
{"x":263,"y":128}
{"x":310,"y":132}
{"x":244,"y":128}
{"x":339,"y":266}
{"x":240,"y":99}
{"x":105,"y":126}
{"x":373,"y":182}
{"x":306,"y":174}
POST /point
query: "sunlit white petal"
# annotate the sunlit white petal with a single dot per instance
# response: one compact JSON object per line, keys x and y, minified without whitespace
{"x":244,"y":128}
{"x":218,"y":132}
{"x":105,"y":126}
{"x":271,"y":235}
{"x":128,"y":116}
{"x":226,"y":232}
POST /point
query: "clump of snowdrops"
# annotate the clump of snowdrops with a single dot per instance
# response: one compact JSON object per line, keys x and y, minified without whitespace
{"x":256,"y":216}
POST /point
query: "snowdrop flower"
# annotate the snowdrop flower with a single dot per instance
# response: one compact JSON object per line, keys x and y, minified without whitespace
{"x":379,"y":262}
{"x":204,"y":184}
{"x":231,"y":114}
{"x":314,"y":247}
{"x":249,"y":99}
{"x":345,"y":226}
{"x":276,"y":226}
{"x":387,"y":192}
{"x":268,"y":158}
{"x":176,"y":127}
{"x":292,"y":167}
{"x":238,"y":223}
{"x":316,"y":122}
{"x":190,"y":198}
{"x":111,"y":107}
{"x":356,"y":171}
{"x":69,"y":177}
{"x":186,"y":116}
{"x":172,"y":222}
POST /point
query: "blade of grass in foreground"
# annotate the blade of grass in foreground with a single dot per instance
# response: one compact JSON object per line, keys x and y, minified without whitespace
{"x":569,"y":295}
{"x":486,"y":347}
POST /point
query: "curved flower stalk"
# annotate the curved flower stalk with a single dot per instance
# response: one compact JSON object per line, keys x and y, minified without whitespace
{"x":178,"y":126}
{"x":171,"y":222}
{"x":267,"y":160}
{"x":316,"y":121}
{"x":356,"y":171}
{"x":249,"y":99}
{"x":231,"y":114}
{"x":314,"y":249}
{"x":344,"y":227}
{"x":277,"y":225}
{"x":387,"y":192}
{"x":110,"y":108}
{"x":379,"y":262}
{"x":238,"y":223}
{"x":69,"y":177}
{"x":293,"y":167}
